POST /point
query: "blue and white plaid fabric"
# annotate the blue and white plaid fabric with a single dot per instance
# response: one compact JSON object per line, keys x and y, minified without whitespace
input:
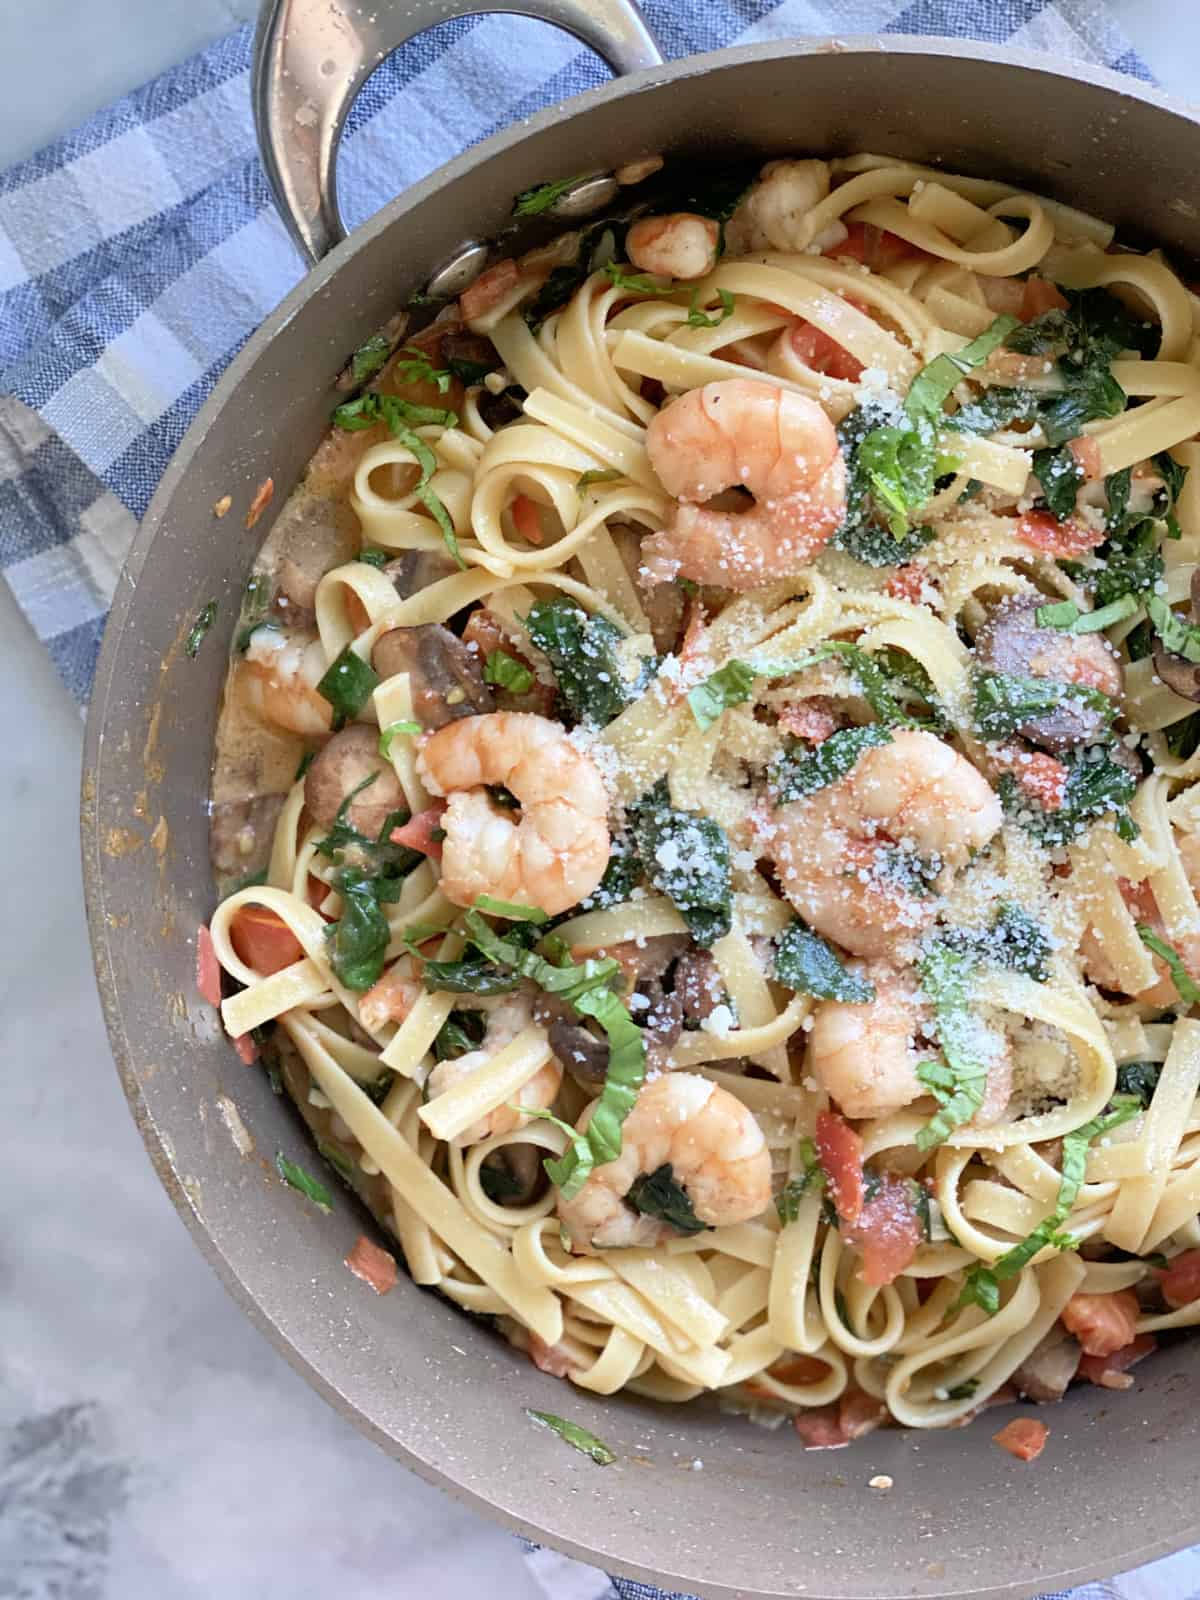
{"x":138,"y":253}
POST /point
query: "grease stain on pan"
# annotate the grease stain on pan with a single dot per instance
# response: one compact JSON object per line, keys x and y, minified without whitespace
{"x":238,"y":1131}
{"x":122,"y":842}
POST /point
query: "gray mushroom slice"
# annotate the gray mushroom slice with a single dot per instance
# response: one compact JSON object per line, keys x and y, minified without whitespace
{"x":580,"y":1052}
{"x":416,"y":570}
{"x":1047,"y":1371}
{"x":313,"y":536}
{"x":1011,"y":641}
{"x":446,"y":676}
{"x":698,"y":986}
{"x":345,"y":762}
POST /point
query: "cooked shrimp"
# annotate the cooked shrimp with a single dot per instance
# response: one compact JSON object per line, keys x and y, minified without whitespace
{"x":280,"y":673}
{"x":744,"y":434}
{"x":841,"y":851}
{"x":550,"y":854}
{"x":679,"y":245}
{"x":711,"y":1142}
{"x":1140,"y":899}
{"x":775,"y":214}
{"x":865,"y":1056}
{"x":505,"y":1020}
{"x":391,"y":997}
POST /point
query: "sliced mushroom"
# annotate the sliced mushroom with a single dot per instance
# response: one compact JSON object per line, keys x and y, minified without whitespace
{"x":518,"y":1174}
{"x":1011,"y":641}
{"x":1047,"y":1370}
{"x":1177,"y":672}
{"x":471,"y":348}
{"x":698,"y":986}
{"x":350,"y":758}
{"x":240,"y":833}
{"x":663,"y":603}
{"x":446,"y":677}
{"x":582,"y":1053}
{"x":417,"y":569}
{"x":313,"y":535}
{"x":499,"y":409}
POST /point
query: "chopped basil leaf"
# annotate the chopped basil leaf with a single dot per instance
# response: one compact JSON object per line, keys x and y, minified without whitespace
{"x":299,"y":1179}
{"x":256,"y":602}
{"x":1003,"y":701}
{"x":414,"y":367}
{"x":934,"y":384}
{"x":402,"y":418}
{"x":982,"y":1285}
{"x":598,"y":475}
{"x":656,"y":1194}
{"x":574,"y":1435}
{"x":505,"y":908}
{"x":359,"y":939}
{"x":1066,"y":616}
{"x":807,"y":963}
{"x":639,"y":283}
{"x":1060,"y":475}
{"x":369,"y":357}
{"x":337,"y":1159}
{"x":374,"y":556}
{"x":1138,"y":1080}
{"x":392,"y":731}
{"x":697,"y":318}
{"x":348,"y":684}
{"x":581,"y":650}
{"x":960,"y":1081}
{"x":506,"y":672}
{"x":733,"y":683}
{"x":793,"y":775}
{"x":1189,"y":990}
{"x":196,"y":633}
{"x":543,"y":196}
{"x":306,"y":761}
{"x":809,"y":1180}
{"x":686,"y":857}
{"x":1179,"y":637}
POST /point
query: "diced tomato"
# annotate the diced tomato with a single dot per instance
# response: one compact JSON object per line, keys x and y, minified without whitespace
{"x":1041,"y":776}
{"x":808,"y":720}
{"x":1102,"y":1323}
{"x":1040,"y":296}
{"x":372,"y":1264}
{"x":829,"y":1427}
{"x":485,"y":631}
{"x":874,"y":247}
{"x":908,"y":583}
{"x":417,"y":833}
{"x":1180,"y":1279}
{"x":551,"y":1358}
{"x":1105,"y":1369}
{"x":526,"y":519}
{"x":888,"y":1232}
{"x":799,"y":1369}
{"x":1041,"y":531}
{"x":246,"y":1048}
{"x":315,"y":892}
{"x":1087,"y":456}
{"x":1005,"y":296}
{"x":823,"y":354}
{"x":1023,"y":1437}
{"x":489,"y":289}
{"x":263,"y":940}
{"x":356,"y":612}
{"x":208,"y":968}
{"x":262,"y":499}
{"x":839,"y":1150}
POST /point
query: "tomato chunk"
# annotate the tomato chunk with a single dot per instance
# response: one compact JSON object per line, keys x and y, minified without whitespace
{"x":829,"y":1427}
{"x":908,"y":583}
{"x":888,"y":1232}
{"x":417,"y":833}
{"x":874,"y":247}
{"x":489,"y":289}
{"x":208,"y":968}
{"x":1105,"y":1369}
{"x":839,"y":1149}
{"x":1103,"y":1323}
{"x":263,"y":940}
{"x":1041,"y":531}
{"x":823,"y":354}
{"x":1181,"y":1279}
{"x":808,"y":721}
{"x":526,"y":520}
{"x":1023,"y":1437}
{"x":372,"y":1264}
{"x":551,"y":1358}
{"x":1041,"y":776}
{"x":1087,"y":456}
{"x":1040,"y":296}
{"x":246,"y":1048}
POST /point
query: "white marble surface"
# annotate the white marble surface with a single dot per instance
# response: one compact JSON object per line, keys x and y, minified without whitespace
{"x":155,"y":1447}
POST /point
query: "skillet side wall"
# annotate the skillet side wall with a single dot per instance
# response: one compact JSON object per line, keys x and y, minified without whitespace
{"x":762,"y":1518}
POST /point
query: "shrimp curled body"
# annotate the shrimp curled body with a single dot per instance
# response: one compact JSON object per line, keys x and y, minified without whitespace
{"x":554,"y":851}
{"x":280,"y":676}
{"x":505,"y":1020}
{"x":744,"y":434}
{"x":713,"y":1145}
{"x":839,"y":849}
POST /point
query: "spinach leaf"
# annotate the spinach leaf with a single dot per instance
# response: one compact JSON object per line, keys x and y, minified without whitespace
{"x":358,"y":940}
{"x":1003,"y":701}
{"x":579,"y":1438}
{"x":348,"y":684}
{"x":1138,"y":1080}
{"x":471,"y":975}
{"x":379,"y":859}
{"x":877,"y":681}
{"x":686,"y":857}
{"x":657,"y":1194}
{"x":1060,"y":476}
{"x":458,"y":1035}
{"x":1116,"y":488}
{"x":1183,"y":737}
{"x":1096,"y":786}
{"x":581,"y":650}
{"x":794,"y":774}
{"x":621,"y":876}
{"x":297,"y":1178}
{"x":1131,"y":563}
{"x":807,"y":963}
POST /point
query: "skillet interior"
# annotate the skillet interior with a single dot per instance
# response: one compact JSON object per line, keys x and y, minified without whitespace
{"x":761,"y":1517}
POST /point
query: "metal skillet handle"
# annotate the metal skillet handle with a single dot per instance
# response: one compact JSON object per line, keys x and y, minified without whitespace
{"x":311,"y":57}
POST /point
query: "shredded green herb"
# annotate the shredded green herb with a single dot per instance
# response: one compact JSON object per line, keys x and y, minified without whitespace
{"x":809,"y":1180}
{"x":597,"y":475}
{"x":1188,"y":989}
{"x":1177,"y":636}
{"x":543,"y":196}
{"x":1096,"y":786}
{"x":797,"y":772}
{"x":574,"y":1435}
{"x":1066,"y":616}
{"x":1003,"y":701}
{"x":203,"y":622}
{"x":506,"y":672}
{"x":656,"y":1194}
{"x":414,"y":367}
{"x":393,"y":731}
{"x":698,"y":318}
{"x":299,"y":1179}
{"x":402,"y":418}
{"x":510,"y":910}
{"x":370,"y":357}
{"x":348,"y":684}
{"x":959,"y":1081}
{"x":686,"y":857}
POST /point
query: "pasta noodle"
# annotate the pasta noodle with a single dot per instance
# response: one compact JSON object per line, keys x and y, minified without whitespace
{"x":719,"y":747}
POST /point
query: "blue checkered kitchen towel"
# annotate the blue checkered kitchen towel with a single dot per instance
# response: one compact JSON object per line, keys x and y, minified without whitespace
{"x":138,"y":253}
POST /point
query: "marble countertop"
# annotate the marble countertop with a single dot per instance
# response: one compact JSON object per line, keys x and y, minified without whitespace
{"x":154,"y":1446}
